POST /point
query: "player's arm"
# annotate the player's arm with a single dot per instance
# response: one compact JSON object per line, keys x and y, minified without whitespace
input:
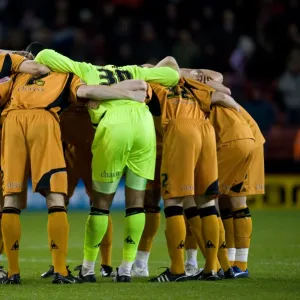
{"x":131,"y":84}
{"x":34,"y":68}
{"x":219,"y":87}
{"x":224,"y":100}
{"x":207,"y":95}
{"x":60,"y":63}
{"x":19,"y":64}
{"x":170,"y":62}
{"x":213,"y":75}
{"x":162,"y":75}
{"x":206,"y":74}
{"x":98,"y":93}
{"x":101,"y":92}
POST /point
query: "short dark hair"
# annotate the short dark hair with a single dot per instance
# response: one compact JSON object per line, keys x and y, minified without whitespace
{"x":35,"y":47}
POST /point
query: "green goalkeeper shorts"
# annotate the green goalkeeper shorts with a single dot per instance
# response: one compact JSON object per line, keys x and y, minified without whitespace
{"x":125,"y":137}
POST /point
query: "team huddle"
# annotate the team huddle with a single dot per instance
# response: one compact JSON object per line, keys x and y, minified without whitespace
{"x":173,"y":133}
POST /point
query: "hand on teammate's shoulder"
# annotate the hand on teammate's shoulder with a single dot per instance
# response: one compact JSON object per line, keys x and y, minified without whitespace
{"x":139,"y":96}
{"x":224,"y":100}
{"x":219,"y":87}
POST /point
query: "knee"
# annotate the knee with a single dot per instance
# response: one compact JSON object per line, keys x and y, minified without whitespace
{"x":13,"y":200}
{"x":208,"y":203}
{"x":174,"y":202}
{"x":55,"y":199}
{"x":101,"y":200}
{"x":238,"y":202}
{"x":188,"y":202}
{"x":134,"y":198}
{"x":152,"y":198}
{"x":204,"y":201}
{"x":224,"y":202}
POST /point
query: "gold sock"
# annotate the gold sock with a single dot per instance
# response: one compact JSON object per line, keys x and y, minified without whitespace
{"x":175,"y":235}
{"x":222,"y":252}
{"x":151,"y":227}
{"x":11,"y":232}
{"x":106,"y":244}
{"x":49,"y":245}
{"x":195,"y":226}
{"x":227,"y":218}
{"x":1,"y":237}
{"x":190,"y":241}
{"x":210,"y":231}
{"x":242,"y":235}
{"x":58,"y":230}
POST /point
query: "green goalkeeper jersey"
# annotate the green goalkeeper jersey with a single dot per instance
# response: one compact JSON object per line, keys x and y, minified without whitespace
{"x":107,"y":75}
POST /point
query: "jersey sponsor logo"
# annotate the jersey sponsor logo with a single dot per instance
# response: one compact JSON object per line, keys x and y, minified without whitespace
{"x":5,"y":79}
{"x":111,"y":174}
{"x":14,"y":185}
{"x":30,"y":89}
{"x":186,"y":188}
{"x":34,"y":84}
{"x":260,"y":187}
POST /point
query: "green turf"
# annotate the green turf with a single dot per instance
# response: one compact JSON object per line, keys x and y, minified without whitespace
{"x":274,"y":264}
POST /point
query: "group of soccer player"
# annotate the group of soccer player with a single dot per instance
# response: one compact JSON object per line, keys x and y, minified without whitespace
{"x":173,"y":133}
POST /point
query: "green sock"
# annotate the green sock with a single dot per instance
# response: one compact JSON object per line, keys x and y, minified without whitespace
{"x":95,"y":229}
{"x":134,"y":227}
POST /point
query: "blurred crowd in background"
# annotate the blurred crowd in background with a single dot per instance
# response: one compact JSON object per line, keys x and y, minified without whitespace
{"x":255,"y":44}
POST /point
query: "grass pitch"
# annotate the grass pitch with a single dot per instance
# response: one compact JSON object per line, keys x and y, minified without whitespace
{"x":274,"y":264}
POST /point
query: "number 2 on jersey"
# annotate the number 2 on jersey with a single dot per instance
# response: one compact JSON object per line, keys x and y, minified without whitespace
{"x":113,"y":77}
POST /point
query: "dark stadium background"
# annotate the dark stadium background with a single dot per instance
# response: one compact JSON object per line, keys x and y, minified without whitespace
{"x":255,"y":44}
